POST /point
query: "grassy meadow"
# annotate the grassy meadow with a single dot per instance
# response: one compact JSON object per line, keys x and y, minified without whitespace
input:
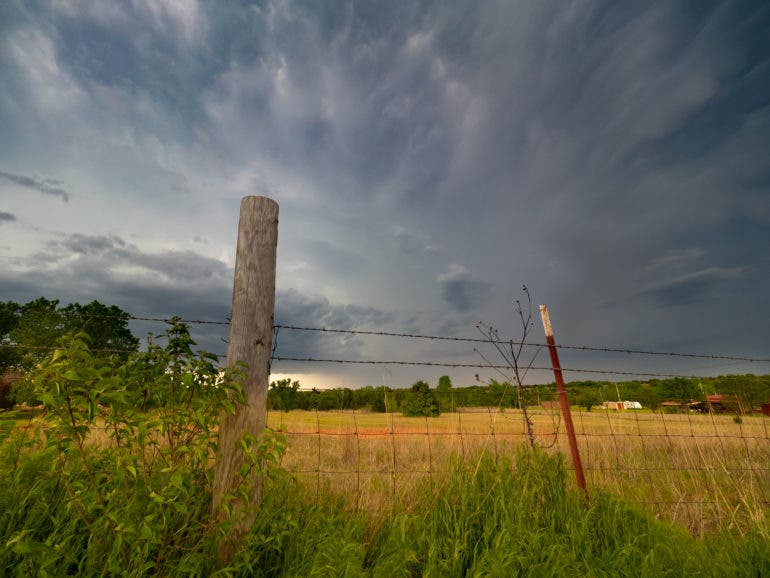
{"x":367,"y":494}
{"x":703,"y":472}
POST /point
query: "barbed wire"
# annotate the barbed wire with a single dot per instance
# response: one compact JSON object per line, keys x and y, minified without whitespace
{"x":476,"y":366}
{"x":55,"y":347}
{"x":382,"y":333}
{"x":463,"y":365}
{"x":528,"y":344}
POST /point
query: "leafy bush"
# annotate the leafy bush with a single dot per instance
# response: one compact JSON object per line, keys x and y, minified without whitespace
{"x":421,"y":401}
{"x":117,"y":477}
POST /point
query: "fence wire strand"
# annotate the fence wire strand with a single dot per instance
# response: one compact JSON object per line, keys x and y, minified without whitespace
{"x":682,"y":460}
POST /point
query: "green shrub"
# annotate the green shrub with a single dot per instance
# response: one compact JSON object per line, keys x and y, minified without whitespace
{"x":117,"y":478}
{"x":421,"y":401}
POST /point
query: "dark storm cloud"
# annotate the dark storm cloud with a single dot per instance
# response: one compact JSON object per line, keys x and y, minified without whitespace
{"x":177,"y":283}
{"x":46,"y":186}
{"x":7,"y":217}
{"x":297,"y":309}
{"x":693,"y":287}
{"x":178,"y":266}
{"x":460,"y":291}
{"x":604,"y":152}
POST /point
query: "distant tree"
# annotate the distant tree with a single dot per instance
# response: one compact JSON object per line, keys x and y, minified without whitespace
{"x":681,"y":389}
{"x":588,"y":397}
{"x":346,"y":398}
{"x":504,"y":394}
{"x":421,"y":401}
{"x":371,"y":397}
{"x":649,"y":398}
{"x":750,"y":390}
{"x":444,"y":384}
{"x":379,"y":404}
{"x":444,"y":393}
{"x":284,"y":394}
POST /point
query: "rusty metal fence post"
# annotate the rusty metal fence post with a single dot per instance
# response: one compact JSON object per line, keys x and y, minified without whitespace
{"x":573,"y":447}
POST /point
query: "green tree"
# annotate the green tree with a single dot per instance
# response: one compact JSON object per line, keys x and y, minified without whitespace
{"x":444,"y":393}
{"x":681,"y":389}
{"x":29,"y":331}
{"x":588,"y":397}
{"x":648,"y":397}
{"x":444,"y":384}
{"x":107,"y":326}
{"x":284,"y":394}
{"x":378,"y":404}
{"x":421,"y":401}
{"x":38,"y":326}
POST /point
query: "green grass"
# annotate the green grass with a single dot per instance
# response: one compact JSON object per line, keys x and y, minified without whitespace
{"x":493,"y":519}
{"x":511,"y":516}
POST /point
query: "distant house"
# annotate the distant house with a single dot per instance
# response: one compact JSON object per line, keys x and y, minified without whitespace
{"x":621,"y":405}
{"x":673,"y":405}
{"x":717,"y":403}
{"x":614,"y":405}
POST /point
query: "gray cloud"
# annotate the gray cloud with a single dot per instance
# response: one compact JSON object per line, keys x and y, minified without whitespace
{"x":183,"y":283}
{"x":410,"y":242}
{"x":179,"y":266}
{"x":88,"y":244}
{"x":46,"y":186}
{"x":297,"y":309}
{"x":460,"y":291}
{"x":693,"y":287}
{"x":7,"y":217}
{"x":601,"y":152}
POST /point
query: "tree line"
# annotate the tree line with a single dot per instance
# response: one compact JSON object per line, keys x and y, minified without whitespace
{"x":742,"y":393}
{"x":29,"y":330}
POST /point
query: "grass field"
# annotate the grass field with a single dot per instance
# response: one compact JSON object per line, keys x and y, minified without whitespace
{"x":366,"y":494}
{"x":705,"y":472}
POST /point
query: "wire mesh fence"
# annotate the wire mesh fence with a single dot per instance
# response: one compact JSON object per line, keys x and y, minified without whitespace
{"x":704,"y":471}
{"x":702,"y":465}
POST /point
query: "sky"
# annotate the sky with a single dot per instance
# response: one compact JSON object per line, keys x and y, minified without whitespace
{"x":429,"y":159}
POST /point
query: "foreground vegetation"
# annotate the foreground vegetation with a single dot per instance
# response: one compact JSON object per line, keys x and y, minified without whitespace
{"x":498,"y":518}
{"x":115,"y":479}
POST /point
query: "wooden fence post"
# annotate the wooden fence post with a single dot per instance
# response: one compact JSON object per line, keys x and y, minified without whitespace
{"x":251,"y":337}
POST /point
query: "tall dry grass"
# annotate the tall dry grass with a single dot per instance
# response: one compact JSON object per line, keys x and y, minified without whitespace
{"x":704,"y":472}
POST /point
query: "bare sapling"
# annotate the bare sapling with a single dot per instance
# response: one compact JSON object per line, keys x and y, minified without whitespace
{"x":512,"y":353}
